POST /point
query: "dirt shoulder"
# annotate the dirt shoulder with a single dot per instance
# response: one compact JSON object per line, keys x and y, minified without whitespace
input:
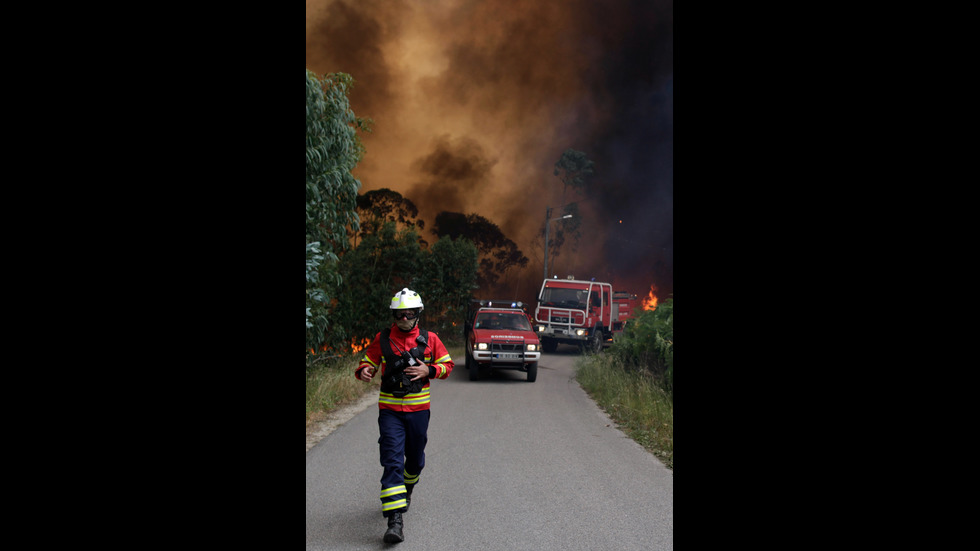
{"x":318,"y":429}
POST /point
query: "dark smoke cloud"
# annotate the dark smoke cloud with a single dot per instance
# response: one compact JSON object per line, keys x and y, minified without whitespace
{"x":450,"y":173}
{"x":474,"y":101}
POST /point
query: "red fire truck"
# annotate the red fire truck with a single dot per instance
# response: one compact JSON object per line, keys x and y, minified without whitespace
{"x":583,"y":313}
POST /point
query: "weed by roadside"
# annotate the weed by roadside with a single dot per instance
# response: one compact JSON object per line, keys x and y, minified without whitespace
{"x":330,"y":384}
{"x":633,"y":399}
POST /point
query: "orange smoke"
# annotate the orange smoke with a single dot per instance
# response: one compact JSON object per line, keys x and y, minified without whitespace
{"x":650,"y":303}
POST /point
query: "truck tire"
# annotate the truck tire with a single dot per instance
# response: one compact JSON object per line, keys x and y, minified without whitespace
{"x":594,"y":343}
{"x":532,"y":372}
{"x":597,"y":339}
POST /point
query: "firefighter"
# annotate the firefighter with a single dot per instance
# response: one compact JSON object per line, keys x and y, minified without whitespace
{"x":408,"y":357}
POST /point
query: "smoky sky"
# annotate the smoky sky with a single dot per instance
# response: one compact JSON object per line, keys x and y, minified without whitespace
{"x":472,"y":103}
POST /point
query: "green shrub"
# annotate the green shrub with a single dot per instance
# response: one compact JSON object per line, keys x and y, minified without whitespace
{"x":647,"y":344}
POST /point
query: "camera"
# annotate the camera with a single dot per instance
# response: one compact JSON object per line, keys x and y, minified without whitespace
{"x":409,"y":357}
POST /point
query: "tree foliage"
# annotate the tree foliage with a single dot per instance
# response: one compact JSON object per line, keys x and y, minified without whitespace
{"x":647,"y":343}
{"x":381,"y":264}
{"x":574,"y":169}
{"x":386,"y":261}
{"x":333,"y":149}
{"x":384,"y":205}
{"x":446,"y":283}
{"x":497,"y":252}
{"x":563,"y":229}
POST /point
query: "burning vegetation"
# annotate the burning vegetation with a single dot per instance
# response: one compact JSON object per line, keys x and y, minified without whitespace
{"x":355,"y":347}
{"x":650,"y":303}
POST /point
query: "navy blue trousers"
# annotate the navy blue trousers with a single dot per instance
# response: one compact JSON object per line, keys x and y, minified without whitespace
{"x":402,"y":443}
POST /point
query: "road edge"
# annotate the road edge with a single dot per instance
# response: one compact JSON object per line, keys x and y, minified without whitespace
{"x":321,"y":430}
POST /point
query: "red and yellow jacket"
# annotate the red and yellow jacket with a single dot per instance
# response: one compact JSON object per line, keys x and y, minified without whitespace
{"x":436,"y":357}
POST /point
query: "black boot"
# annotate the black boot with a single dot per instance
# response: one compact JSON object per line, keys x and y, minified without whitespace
{"x":408,"y":495}
{"x":394,"y":533}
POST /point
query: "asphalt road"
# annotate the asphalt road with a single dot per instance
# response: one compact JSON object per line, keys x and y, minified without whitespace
{"x":510,"y":466}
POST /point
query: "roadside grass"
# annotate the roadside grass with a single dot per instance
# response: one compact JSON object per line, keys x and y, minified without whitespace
{"x":330,"y":384}
{"x":634,"y":400}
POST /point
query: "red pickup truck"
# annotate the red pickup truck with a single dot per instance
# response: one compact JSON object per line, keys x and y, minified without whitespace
{"x":501,"y":337}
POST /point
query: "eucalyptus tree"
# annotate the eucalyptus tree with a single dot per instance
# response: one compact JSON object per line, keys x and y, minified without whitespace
{"x":574,"y":170}
{"x":378,"y":206}
{"x":333,"y":149}
{"x":382,"y":263}
{"x":497,"y":253}
{"x":446,"y":283}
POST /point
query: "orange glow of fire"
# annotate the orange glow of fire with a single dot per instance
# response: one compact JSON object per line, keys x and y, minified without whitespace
{"x":355,"y":348}
{"x":323,"y":348}
{"x":650,"y":303}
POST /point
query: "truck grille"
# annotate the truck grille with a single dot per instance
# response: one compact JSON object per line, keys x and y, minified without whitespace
{"x":507,"y":347}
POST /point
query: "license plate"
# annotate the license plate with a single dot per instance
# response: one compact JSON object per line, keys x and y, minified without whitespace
{"x":505,"y":356}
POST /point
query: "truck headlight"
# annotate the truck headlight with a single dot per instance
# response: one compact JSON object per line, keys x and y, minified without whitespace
{"x":540,"y":328}
{"x":580,"y":332}
{"x":481,"y":346}
{"x":532,"y":347}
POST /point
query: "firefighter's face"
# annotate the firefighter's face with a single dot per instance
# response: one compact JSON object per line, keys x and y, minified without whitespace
{"x":406,"y":319}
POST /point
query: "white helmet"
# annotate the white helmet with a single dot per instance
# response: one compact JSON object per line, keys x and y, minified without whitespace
{"x":406,"y":298}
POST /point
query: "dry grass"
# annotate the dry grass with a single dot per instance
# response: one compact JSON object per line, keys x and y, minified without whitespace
{"x":330,"y":384}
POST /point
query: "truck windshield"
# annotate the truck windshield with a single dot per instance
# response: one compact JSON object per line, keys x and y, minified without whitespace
{"x":563,"y":298}
{"x":513,"y":322}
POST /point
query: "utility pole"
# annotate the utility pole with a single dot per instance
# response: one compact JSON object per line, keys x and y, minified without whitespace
{"x":547,"y":226}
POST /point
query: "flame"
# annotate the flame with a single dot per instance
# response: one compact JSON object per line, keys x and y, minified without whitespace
{"x":355,"y":348}
{"x":323,"y":348}
{"x":650,"y":303}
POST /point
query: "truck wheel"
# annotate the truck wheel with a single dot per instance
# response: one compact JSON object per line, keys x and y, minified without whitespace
{"x":597,"y":341}
{"x":594,"y":344}
{"x":532,"y":372}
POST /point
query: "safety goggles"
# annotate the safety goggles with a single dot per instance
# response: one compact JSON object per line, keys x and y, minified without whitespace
{"x":404,"y":314}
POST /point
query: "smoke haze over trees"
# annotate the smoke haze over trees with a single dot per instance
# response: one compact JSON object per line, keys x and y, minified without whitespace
{"x":474,"y":102}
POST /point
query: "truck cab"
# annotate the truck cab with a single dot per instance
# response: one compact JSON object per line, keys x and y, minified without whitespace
{"x":501,"y":337}
{"x":577,"y":312}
